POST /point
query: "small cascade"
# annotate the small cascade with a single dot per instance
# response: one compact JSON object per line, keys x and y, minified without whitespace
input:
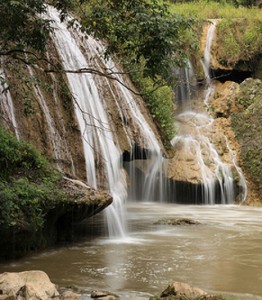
{"x":186,"y":86}
{"x":207,"y":59}
{"x":197,"y":161}
{"x":7,"y":106}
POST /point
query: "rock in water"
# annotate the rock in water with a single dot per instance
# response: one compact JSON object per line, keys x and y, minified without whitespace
{"x":182,"y":289}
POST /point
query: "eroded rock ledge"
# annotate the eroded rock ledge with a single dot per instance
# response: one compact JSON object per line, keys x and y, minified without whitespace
{"x":80,"y":201}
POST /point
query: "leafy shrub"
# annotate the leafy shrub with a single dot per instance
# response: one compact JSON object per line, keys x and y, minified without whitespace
{"x":21,"y":158}
{"x":159,"y":100}
{"x":27,"y":185}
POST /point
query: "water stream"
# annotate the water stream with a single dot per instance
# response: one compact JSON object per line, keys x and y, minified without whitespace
{"x":221,"y":255}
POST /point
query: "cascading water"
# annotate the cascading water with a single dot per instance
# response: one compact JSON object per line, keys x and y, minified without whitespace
{"x":101,"y":145}
{"x":201,"y":163}
{"x":186,"y":86}
{"x":207,"y":58}
{"x":7,"y":106}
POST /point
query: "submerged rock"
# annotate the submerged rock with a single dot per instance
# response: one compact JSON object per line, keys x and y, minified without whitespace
{"x":176,"y":221}
{"x":103,"y":295}
{"x":183,"y":291}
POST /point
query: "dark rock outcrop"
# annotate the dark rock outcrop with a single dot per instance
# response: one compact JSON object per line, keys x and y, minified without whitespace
{"x":80,"y":202}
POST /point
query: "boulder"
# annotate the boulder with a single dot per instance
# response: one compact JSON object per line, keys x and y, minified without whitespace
{"x":182,"y":289}
{"x":33,"y":285}
{"x":70,"y":295}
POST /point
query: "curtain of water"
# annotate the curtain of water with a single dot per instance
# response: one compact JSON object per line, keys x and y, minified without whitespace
{"x":101,"y":145}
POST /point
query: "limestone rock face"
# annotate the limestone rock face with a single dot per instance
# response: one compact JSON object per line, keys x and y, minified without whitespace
{"x":33,"y":285}
{"x":222,"y":103}
{"x":194,"y":159}
{"x":69,"y":295}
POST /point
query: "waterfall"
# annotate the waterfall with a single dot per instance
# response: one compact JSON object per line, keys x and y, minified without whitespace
{"x":186,"y":86}
{"x":200,"y":156}
{"x":7,"y":106}
{"x":207,"y":59}
{"x":102,"y":151}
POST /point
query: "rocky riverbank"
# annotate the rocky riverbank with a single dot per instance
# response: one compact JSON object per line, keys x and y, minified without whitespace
{"x":36,"y":285}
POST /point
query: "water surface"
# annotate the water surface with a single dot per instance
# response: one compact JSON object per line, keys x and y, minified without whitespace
{"x":223,"y":254}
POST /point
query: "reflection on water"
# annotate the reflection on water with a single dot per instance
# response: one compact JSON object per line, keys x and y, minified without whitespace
{"x":223,"y":254}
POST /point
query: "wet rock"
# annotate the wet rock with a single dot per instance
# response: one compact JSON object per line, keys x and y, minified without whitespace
{"x":70,"y":295}
{"x":27,"y":285}
{"x":103,"y":295}
{"x":182,"y":289}
{"x":222,"y":104}
{"x":176,"y":221}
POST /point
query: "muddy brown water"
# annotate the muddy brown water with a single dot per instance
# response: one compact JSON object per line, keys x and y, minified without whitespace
{"x":221,"y":255}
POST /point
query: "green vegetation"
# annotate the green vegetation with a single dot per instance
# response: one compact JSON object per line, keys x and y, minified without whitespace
{"x":241,"y":40}
{"x":160,"y":104}
{"x":149,"y":41}
{"x":27,"y":185}
{"x":135,"y":31}
{"x":204,"y":10}
{"x":21,"y":25}
{"x":248,"y":128}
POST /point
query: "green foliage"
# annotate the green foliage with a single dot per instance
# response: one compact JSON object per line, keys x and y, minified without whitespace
{"x":204,"y":9}
{"x":149,"y":40}
{"x":158,"y":96}
{"x":27,"y":185}
{"x":241,"y":40}
{"x":20,"y":158}
{"x":138,"y":29}
{"x":160,"y":103}
{"x":21,"y":25}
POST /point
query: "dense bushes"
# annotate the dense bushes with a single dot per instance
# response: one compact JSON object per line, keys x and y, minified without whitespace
{"x":27,"y":185}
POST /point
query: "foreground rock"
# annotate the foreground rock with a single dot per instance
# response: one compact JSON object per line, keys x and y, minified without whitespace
{"x":36,"y":285}
{"x":27,"y":285}
{"x":183,"y":291}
